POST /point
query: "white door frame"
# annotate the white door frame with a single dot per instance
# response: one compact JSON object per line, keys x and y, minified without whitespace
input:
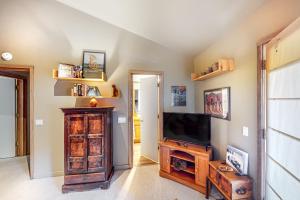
{"x":130,"y":107}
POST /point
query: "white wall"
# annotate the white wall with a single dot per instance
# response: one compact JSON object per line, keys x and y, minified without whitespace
{"x":7,"y":117}
{"x":240,"y":43}
{"x":45,"y":33}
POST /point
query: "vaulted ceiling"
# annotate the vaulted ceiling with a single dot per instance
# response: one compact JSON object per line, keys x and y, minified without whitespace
{"x":185,"y":25}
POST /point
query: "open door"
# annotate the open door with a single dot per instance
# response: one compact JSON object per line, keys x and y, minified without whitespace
{"x":20,"y":118}
{"x":7,"y":118}
{"x":149,"y":117}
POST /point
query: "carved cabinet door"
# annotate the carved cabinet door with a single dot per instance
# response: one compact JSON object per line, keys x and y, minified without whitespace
{"x":201,"y":170}
{"x":95,"y":140}
{"x":165,"y":159}
{"x":76,"y":143}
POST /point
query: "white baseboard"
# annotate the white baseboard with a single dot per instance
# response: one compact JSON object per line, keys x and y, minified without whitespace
{"x":151,"y":159}
{"x":48,"y":174}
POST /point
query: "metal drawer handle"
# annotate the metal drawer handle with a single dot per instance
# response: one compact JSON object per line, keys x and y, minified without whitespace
{"x":242,"y":190}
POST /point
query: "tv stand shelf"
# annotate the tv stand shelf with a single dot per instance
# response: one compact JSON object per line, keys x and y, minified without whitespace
{"x":189,"y":169}
{"x":196,"y":157}
{"x":183,"y":156}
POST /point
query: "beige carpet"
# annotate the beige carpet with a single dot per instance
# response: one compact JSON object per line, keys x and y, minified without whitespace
{"x":139,"y":183}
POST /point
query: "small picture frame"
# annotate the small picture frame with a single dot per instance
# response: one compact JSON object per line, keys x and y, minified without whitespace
{"x":217,"y":103}
{"x":237,"y":159}
{"x":65,"y":70}
{"x":93,"y":63}
{"x":178,"y":94}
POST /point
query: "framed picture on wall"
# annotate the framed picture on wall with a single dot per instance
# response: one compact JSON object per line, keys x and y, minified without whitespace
{"x":93,"y":64}
{"x":178,"y":94}
{"x":217,"y":102}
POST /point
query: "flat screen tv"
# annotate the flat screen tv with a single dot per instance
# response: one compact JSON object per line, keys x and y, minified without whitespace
{"x":187,"y":127}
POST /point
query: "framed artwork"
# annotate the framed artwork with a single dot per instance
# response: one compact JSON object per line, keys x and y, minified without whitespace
{"x":93,"y":64}
{"x":65,"y":70}
{"x":217,"y":103}
{"x":178,"y":94}
{"x":237,"y":159}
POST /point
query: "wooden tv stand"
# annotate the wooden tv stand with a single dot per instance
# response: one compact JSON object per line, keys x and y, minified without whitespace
{"x":197,"y":157}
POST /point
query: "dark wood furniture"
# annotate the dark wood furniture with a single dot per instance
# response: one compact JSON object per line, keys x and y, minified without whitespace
{"x":88,"y":148}
{"x":197,"y":158}
{"x":229,"y":184}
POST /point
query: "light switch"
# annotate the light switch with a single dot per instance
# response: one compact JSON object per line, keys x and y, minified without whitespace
{"x":121,"y":120}
{"x":39,"y":122}
{"x":245,"y":131}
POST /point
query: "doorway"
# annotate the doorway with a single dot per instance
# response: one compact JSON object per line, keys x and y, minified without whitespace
{"x":8,"y":119}
{"x":145,"y":111}
{"x":16,"y":112}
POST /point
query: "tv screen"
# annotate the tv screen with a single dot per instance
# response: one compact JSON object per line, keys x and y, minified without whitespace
{"x":187,"y":127}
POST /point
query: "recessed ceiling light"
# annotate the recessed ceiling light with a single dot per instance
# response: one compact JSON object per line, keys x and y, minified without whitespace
{"x":6,"y":56}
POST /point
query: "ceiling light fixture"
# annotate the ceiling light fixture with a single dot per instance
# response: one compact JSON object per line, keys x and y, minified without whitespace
{"x":6,"y":56}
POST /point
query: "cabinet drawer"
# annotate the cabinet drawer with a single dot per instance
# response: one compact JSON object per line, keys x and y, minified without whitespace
{"x":213,"y":174}
{"x":225,"y":186}
{"x":84,"y":178}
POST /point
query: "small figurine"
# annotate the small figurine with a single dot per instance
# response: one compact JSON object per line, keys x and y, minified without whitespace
{"x":115,"y":91}
{"x":77,"y":71}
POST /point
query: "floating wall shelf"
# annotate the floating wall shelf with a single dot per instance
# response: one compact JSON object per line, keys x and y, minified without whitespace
{"x":224,"y":66}
{"x":81,"y":80}
{"x":97,"y":97}
{"x":55,"y":76}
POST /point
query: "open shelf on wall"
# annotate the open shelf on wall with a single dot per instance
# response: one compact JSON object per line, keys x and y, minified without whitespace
{"x":97,"y":97}
{"x":224,"y":66}
{"x":55,"y":76}
{"x":64,"y":87}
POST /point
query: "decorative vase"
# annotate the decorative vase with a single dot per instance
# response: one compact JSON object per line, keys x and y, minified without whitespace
{"x":93,"y":102}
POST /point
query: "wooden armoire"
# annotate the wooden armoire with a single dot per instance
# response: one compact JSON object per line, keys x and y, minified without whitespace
{"x":88,"y":148}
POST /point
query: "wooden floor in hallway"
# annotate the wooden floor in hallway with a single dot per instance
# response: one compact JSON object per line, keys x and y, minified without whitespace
{"x":138,"y":159}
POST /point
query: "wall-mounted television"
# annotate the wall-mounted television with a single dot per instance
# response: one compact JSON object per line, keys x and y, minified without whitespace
{"x":187,"y":127}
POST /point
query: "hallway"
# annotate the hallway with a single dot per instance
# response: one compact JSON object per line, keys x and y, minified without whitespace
{"x":138,"y":159}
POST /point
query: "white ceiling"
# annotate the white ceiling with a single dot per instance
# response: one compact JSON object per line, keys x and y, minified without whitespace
{"x":185,"y":25}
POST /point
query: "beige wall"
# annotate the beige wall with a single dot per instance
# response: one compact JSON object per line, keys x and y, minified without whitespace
{"x":44,"y":33}
{"x":240,"y":44}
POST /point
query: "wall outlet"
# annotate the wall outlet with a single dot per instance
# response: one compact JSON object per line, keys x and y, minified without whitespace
{"x":121,"y":120}
{"x":245,"y":131}
{"x":39,"y":122}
